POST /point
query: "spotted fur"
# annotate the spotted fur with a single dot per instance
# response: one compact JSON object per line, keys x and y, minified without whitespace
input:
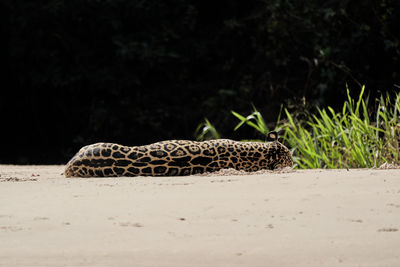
{"x":177,"y":157}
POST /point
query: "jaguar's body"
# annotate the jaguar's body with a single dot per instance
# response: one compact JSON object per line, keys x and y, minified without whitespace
{"x":177,"y":157}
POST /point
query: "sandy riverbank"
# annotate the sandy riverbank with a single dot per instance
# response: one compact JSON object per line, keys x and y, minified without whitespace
{"x":301,"y":218}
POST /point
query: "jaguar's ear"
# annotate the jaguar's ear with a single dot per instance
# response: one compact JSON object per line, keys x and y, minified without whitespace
{"x":272,"y":136}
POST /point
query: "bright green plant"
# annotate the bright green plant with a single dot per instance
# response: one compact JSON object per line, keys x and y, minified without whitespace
{"x":206,"y":130}
{"x":329,"y":139}
{"x":388,"y":118}
{"x":346,"y":139}
{"x":254,"y":120}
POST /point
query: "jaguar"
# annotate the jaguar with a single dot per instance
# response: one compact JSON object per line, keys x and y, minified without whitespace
{"x":178,"y":157}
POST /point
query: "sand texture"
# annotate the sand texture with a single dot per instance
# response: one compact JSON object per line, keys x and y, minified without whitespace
{"x":287,"y":218}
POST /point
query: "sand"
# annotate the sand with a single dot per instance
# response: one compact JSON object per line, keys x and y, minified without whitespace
{"x":301,"y":218}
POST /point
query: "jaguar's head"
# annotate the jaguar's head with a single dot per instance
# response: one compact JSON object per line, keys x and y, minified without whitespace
{"x":283,"y":155}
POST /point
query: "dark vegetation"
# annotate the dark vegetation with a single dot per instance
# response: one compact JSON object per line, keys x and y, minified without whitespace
{"x":136,"y":72}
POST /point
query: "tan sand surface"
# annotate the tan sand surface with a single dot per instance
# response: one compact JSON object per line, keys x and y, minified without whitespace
{"x":301,"y":218}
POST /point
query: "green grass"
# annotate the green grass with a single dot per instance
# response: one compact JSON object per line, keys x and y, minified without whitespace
{"x":357,"y":136}
{"x":206,"y":131}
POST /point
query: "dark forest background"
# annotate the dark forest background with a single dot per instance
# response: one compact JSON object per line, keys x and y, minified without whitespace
{"x":136,"y":72}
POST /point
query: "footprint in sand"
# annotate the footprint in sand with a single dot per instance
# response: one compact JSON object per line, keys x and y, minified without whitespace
{"x":388,"y":229}
{"x":41,"y":218}
{"x":10,"y":228}
{"x":269,"y":226}
{"x":125,"y":224}
{"x":356,"y":220}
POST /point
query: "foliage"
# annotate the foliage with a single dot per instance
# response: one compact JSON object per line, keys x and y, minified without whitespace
{"x":206,"y":131}
{"x":254,"y":120}
{"x":346,"y":139}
